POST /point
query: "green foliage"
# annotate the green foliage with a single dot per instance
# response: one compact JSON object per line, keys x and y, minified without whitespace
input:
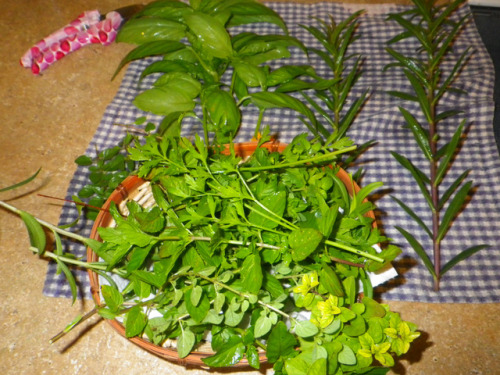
{"x":107,"y":170}
{"x":435,"y":32}
{"x":204,"y":262}
{"x":238,"y":247}
{"x":198,"y":41}
{"x":335,"y":40}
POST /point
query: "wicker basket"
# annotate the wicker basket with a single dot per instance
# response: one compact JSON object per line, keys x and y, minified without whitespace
{"x":126,"y":191}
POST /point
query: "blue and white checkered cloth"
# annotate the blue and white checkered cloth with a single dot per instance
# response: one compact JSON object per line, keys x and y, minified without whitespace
{"x":475,"y":280}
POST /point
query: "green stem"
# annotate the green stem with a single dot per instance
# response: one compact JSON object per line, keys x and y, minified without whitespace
{"x":93,"y":266}
{"x":48,"y":225}
{"x":316,"y":159}
{"x":354,"y":250}
{"x":222,"y":285}
{"x":259,"y":122}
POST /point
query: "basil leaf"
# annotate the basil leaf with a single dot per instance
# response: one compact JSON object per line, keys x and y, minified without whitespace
{"x":211,"y":34}
{"x":144,"y":30}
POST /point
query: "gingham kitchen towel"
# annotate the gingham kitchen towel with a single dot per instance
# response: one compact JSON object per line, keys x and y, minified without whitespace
{"x":475,"y":280}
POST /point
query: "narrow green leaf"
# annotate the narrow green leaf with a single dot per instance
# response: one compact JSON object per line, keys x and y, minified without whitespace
{"x":417,"y":85}
{"x":420,"y":135}
{"x":462,"y":256}
{"x":444,"y":15}
{"x":409,"y":63}
{"x":413,"y":215}
{"x":450,"y":151}
{"x":69,"y":277}
{"x":453,"y":209}
{"x":24,"y":182}
{"x":449,"y":192}
{"x":403,"y":95}
{"x":35,"y":231}
{"x":419,"y":250}
{"x":451,"y":77}
{"x":446,"y":44}
{"x":59,"y":248}
{"x":418,"y":175}
{"x":415,"y":30}
{"x":351,"y":114}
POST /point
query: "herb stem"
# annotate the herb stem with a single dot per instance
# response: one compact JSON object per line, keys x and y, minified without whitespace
{"x":354,"y":250}
{"x":55,"y":228}
{"x":316,"y":159}
{"x":222,"y":285}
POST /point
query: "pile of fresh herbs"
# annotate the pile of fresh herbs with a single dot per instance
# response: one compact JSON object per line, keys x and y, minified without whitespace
{"x":264,"y":255}
{"x":241,"y":249}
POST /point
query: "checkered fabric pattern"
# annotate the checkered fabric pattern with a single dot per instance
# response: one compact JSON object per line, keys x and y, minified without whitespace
{"x":475,"y":280}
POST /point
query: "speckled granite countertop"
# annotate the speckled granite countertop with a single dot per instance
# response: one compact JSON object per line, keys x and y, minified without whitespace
{"x":49,"y":120}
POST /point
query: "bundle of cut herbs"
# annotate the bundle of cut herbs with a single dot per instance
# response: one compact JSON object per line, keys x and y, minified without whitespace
{"x":263,"y":255}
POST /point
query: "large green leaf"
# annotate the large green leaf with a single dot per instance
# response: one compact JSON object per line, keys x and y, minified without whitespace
{"x":112,"y":297}
{"x":144,"y":30}
{"x":304,"y":241}
{"x":135,"y":322}
{"x":330,"y":281}
{"x":275,"y":204}
{"x":160,"y":47}
{"x":228,"y":355}
{"x":164,"y":101}
{"x":211,"y":34}
{"x":245,"y":12}
{"x":251,"y":273}
{"x":281,"y":343}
